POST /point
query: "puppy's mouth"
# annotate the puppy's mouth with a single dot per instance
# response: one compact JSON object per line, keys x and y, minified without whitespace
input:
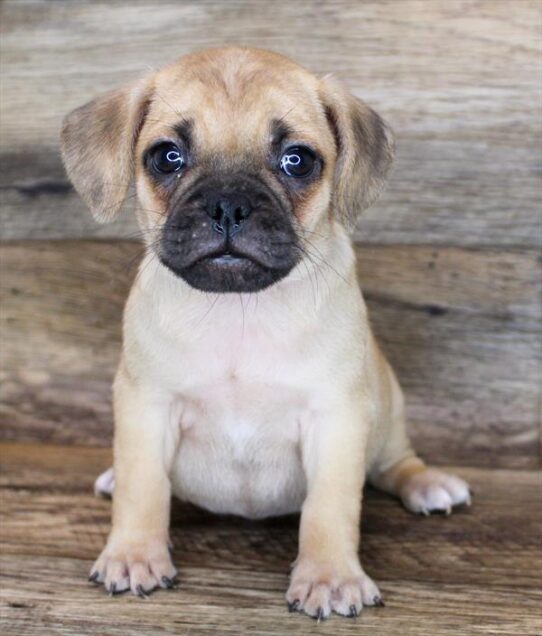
{"x":226,"y":270}
{"x":230,"y":258}
{"x":226,"y":259}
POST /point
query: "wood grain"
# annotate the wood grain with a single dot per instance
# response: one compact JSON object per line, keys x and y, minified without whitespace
{"x":462,"y":334}
{"x":476,"y":572}
{"x":459,"y":81}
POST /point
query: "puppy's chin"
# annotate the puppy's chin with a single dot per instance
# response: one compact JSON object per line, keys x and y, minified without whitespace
{"x":227,"y":274}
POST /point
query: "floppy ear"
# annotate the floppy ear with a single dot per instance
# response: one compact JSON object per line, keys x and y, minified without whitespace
{"x":98,"y":141}
{"x":365,"y":148}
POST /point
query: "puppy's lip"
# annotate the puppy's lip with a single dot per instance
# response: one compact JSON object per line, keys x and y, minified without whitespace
{"x":227,"y":257}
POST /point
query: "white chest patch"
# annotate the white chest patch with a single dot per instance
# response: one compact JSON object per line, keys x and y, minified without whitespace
{"x":239,"y":451}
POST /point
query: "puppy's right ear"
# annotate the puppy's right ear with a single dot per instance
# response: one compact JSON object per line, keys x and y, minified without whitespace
{"x":98,"y":142}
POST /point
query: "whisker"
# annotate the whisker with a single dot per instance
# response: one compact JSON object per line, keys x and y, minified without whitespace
{"x":243,"y":310}
{"x":324,"y":261}
{"x":213,"y":303}
{"x":144,"y":267}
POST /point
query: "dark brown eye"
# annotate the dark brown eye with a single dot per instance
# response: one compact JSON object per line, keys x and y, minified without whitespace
{"x":167,"y":158}
{"x":297,"y":162}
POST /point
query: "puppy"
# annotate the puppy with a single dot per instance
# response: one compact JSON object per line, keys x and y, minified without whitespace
{"x":250,"y":382}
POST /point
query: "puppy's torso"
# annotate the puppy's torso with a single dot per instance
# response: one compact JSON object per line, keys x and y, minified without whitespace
{"x":249,"y":376}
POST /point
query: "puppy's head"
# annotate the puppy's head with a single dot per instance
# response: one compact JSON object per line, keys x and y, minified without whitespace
{"x":241,"y":158}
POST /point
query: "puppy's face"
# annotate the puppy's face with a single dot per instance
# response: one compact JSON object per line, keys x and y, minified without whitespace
{"x":233,"y":157}
{"x":241,"y":158}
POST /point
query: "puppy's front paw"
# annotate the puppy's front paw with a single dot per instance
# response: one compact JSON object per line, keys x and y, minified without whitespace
{"x":433,"y":490}
{"x":321,"y":588}
{"x":140,"y":566}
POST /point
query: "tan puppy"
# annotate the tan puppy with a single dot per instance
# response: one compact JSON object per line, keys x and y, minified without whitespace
{"x":250,"y":381}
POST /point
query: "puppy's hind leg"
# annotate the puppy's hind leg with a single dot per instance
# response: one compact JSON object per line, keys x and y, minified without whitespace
{"x":400,"y":472}
{"x":105,"y":484}
{"x":423,"y":489}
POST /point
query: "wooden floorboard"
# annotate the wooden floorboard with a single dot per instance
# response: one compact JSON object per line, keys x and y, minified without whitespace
{"x":462,"y":329}
{"x":477,"y":572}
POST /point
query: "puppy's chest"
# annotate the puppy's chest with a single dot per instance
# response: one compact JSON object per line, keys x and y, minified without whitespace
{"x":245,"y":399}
{"x":241,"y":413}
{"x":236,"y":368}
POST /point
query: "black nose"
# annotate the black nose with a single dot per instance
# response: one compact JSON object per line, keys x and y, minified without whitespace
{"x":228,"y":211}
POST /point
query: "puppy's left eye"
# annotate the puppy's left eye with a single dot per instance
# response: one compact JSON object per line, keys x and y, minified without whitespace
{"x":167,"y":158}
{"x":297,"y":161}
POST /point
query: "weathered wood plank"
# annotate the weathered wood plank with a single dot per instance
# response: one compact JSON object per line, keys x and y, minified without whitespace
{"x":462,"y":329}
{"x":476,"y":572}
{"x":462,"y":332}
{"x":61,"y":331}
{"x":54,"y":484}
{"x":459,"y":81}
{"x":41,"y":595}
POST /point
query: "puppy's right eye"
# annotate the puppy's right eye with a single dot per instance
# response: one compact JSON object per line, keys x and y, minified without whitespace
{"x":167,"y":158}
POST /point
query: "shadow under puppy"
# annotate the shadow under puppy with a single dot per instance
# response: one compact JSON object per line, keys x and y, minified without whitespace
{"x":250,"y":382}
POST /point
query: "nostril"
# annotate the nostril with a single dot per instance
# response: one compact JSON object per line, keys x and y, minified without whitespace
{"x":238,"y":215}
{"x":216,"y":214}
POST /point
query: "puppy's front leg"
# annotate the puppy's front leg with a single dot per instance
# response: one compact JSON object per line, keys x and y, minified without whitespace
{"x":327,"y":574}
{"x":136,"y":556}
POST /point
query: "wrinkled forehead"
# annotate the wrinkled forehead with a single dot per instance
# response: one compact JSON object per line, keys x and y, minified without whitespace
{"x":237,"y":104}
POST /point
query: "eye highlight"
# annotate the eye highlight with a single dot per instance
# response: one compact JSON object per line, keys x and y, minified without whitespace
{"x":166,"y":158}
{"x":297,"y":162}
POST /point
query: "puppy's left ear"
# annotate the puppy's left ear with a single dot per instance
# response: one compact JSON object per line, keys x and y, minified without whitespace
{"x":365,"y":151}
{"x":98,"y":142}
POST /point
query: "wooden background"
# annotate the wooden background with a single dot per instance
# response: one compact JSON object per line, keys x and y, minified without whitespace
{"x":450,"y":258}
{"x":450,"y":262}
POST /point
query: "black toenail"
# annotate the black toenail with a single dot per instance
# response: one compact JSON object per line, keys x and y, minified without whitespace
{"x":169,"y":583}
{"x":377,"y":600}
{"x":113,"y":589}
{"x":93,"y":578}
{"x":320,"y":615}
{"x":353,"y":611}
{"x":292,"y":607}
{"x":141,"y":592}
